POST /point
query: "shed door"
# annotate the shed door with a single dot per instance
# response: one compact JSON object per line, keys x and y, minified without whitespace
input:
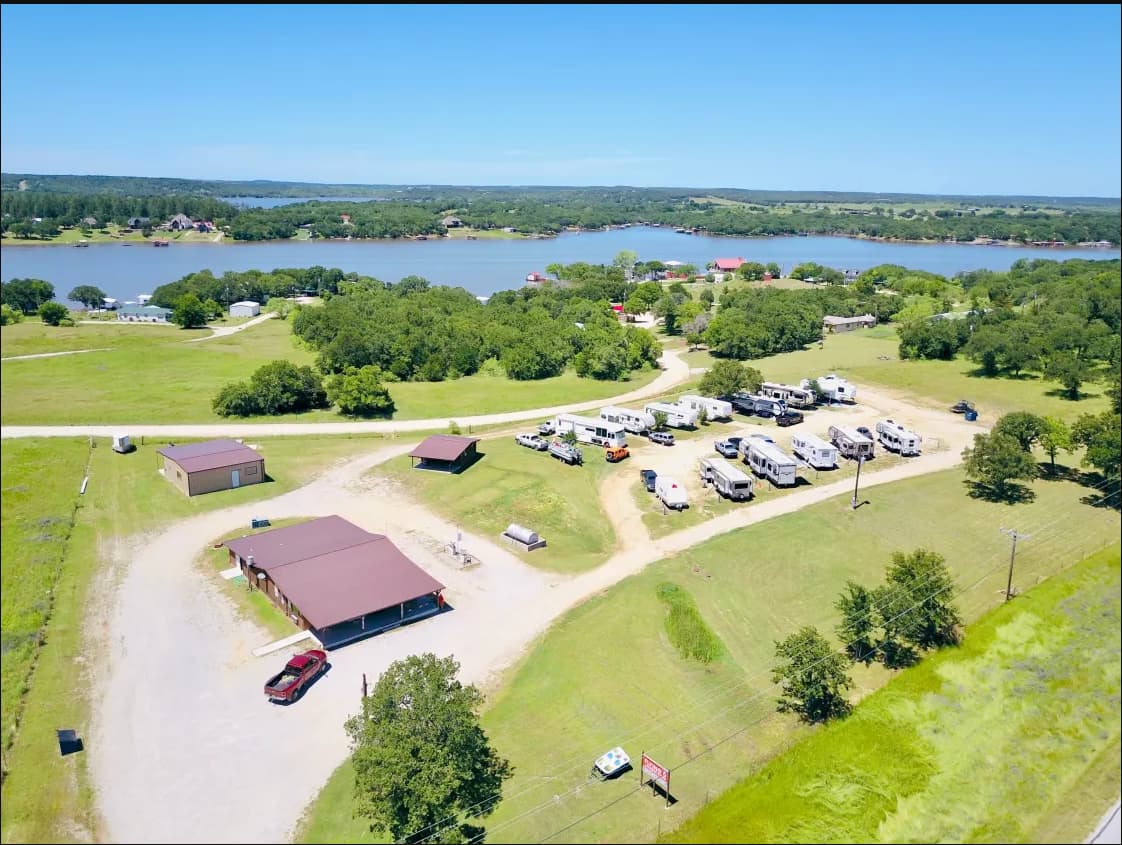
{"x":236,"y":478}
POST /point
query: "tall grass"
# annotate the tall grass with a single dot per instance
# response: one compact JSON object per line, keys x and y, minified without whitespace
{"x":687,"y":630}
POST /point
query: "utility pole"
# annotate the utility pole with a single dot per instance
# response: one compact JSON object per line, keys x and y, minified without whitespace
{"x":1012,"y":556}
{"x":860,"y":460}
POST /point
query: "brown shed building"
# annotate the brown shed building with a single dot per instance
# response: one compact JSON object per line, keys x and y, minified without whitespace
{"x":214,"y":465}
{"x":332,"y":577}
{"x":446,"y":452}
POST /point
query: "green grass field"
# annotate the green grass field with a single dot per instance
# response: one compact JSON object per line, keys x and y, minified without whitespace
{"x":150,"y":376}
{"x":71,"y":236}
{"x":871,"y":356}
{"x":972,"y":745}
{"x":511,"y":483}
{"x":47,"y":798}
{"x":606,"y":673}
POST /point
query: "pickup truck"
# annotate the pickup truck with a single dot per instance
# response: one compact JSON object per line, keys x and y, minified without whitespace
{"x":531,"y":441}
{"x":726,"y":448}
{"x":290,"y":683}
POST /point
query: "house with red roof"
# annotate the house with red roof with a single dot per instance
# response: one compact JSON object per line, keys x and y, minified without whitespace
{"x":727,"y":265}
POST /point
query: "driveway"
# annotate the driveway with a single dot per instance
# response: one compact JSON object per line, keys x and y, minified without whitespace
{"x":184,"y":746}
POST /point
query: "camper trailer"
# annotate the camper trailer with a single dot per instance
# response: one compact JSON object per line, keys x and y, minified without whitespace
{"x":677,"y":416}
{"x":671,"y":493}
{"x":731,"y":482}
{"x":595,"y":431}
{"x":815,"y":451}
{"x":833,"y":388}
{"x":796,"y":397}
{"x":851,"y":443}
{"x":896,"y":438}
{"x":715,"y":409}
{"x":636,"y":422}
{"x":763,"y":406}
{"x":768,"y":460}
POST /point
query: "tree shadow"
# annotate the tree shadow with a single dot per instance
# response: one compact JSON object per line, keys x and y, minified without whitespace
{"x":1010,"y":494}
{"x":979,"y":372}
{"x":1063,"y":393}
{"x":1101,"y":491}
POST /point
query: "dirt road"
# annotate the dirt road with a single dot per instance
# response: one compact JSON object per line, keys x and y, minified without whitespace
{"x":184,"y":746}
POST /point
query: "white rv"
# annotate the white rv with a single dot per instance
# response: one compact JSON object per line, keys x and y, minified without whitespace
{"x":833,"y":388}
{"x":851,"y":443}
{"x":677,"y":416}
{"x":636,"y":422}
{"x":762,"y":406}
{"x":731,"y":482}
{"x":768,"y":460}
{"x":815,"y":451}
{"x":796,"y":397}
{"x":896,"y":438}
{"x":715,"y":409}
{"x":597,"y":432}
{"x":671,"y":493}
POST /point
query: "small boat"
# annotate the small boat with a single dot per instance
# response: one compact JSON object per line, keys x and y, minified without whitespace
{"x":82,"y":243}
{"x":161,"y":242}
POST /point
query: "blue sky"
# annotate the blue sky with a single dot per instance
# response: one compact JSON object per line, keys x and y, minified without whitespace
{"x":938,"y":99}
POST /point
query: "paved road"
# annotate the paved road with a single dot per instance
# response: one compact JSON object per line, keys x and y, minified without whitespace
{"x":675,"y":371}
{"x":1109,"y":830}
{"x":53,"y":354}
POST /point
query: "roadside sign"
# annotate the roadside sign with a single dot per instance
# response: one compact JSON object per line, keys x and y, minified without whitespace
{"x":652,"y":773}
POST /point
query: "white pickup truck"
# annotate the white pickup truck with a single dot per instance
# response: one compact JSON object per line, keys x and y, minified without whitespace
{"x":531,"y":441}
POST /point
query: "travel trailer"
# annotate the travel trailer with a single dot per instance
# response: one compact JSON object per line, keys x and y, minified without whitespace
{"x":815,"y":451}
{"x":796,"y":397}
{"x":833,"y":388}
{"x":677,"y":416}
{"x":768,"y":460}
{"x":595,"y":431}
{"x":896,"y":438}
{"x":671,"y":493}
{"x":636,"y":422}
{"x":851,"y":443}
{"x":731,"y":482}
{"x":715,"y":409}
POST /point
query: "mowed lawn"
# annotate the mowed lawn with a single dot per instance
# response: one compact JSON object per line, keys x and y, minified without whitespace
{"x":992,"y":742}
{"x":511,"y":483}
{"x":606,"y":674}
{"x":151,"y":375}
{"x":871,"y":356}
{"x":48,"y":798}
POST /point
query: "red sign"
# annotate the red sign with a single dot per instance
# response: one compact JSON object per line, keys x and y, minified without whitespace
{"x":656,"y":773}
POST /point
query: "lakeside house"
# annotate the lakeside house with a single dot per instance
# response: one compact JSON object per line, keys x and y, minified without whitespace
{"x":143,"y":314}
{"x":451,"y":222}
{"x":179,"y":223}
{"x":139,"y":222}
{"x":728,"y":265}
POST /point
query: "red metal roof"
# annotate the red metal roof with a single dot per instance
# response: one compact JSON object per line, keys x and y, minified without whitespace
{"x":211,"y":454}
{"x":334,"y":571}
{"x":728,"y":263}
{"x":442,"y":447}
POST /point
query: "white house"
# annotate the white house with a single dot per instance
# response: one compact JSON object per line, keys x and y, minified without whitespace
{"x":245,"y":309}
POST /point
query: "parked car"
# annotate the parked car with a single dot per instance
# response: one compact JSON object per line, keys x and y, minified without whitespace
{"x":531,"y":441}
{"x":547,"y":428}
{"x":734,"y":441}
{"x":663,"y":438}
{"x":289,"y":684}
{"x":726,"y":449}
{"x":615,"y":454}
{"x":789,"y":418}
{"x":962,"y":406}
{"x":649,"y":477}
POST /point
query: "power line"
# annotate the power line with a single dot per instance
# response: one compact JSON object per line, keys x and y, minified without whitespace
{"x":1012,"y":556}
{"x":725,"y":689}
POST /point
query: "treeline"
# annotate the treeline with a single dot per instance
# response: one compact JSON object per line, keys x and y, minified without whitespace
{"x":418,"y":332}
{"x":1059,"y":319}
{"x":253,"y":285}
{"x":412,"y":214}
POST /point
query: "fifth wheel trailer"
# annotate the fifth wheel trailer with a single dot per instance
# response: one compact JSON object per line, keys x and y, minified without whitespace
{"x":769,"y":461}
{"x":677,"y":416}
{"x":731,"y":482}
{"x":833,"y":388}
{"x":851,"y":443}
{"x":796,"y":397}
{"x":595,"y":431}
{"x":715,"y":409}
{"x":896,"y":438}
{"x":636,"y":422}
{"x":815,"y":451}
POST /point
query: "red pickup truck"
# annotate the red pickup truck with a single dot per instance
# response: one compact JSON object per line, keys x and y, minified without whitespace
{"x":289,"y":684}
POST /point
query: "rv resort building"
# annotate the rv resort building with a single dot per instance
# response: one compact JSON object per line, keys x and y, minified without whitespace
{"x":333,"y":578}
{"x":213,"y":465}
{"x":447,"y":452}
{"x":847,"y":324}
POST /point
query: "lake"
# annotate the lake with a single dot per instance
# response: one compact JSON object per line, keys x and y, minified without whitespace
{"x":485,"y":266}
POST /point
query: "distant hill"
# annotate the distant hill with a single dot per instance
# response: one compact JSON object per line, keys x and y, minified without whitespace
{"x":162,"y":186}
